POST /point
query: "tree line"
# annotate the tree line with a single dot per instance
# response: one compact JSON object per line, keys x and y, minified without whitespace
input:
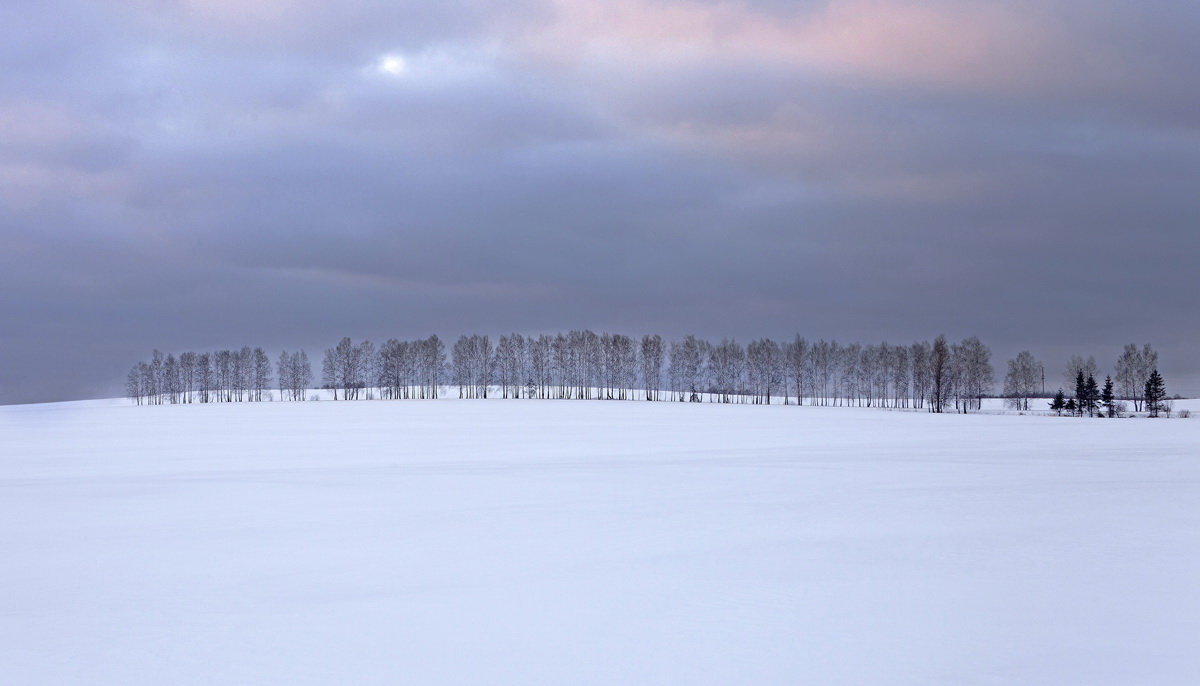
{"x":222,"y":376}
{"x":936,"y":376}
{"x":587,"y":365}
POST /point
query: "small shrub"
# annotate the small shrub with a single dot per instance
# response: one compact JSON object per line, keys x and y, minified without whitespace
{"x":1185,"y":414}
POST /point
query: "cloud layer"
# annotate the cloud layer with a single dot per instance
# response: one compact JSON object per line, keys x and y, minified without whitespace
{"x":211,"y":173}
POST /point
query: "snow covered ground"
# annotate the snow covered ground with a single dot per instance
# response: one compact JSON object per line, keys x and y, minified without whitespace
{"x":575,"y":542}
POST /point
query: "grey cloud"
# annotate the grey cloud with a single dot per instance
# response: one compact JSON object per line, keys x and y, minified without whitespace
{"x":181,"y":179}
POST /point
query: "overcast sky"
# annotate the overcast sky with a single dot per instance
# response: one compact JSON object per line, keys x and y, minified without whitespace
{"x":200,"y":174}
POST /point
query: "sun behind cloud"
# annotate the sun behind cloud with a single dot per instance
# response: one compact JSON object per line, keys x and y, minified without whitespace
{"x":391,"y":64}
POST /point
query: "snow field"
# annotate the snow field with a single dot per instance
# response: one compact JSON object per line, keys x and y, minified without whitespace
{"x":593,"y":543}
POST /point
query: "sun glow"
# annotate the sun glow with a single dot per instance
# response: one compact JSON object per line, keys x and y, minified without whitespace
{"x":392,"y":65}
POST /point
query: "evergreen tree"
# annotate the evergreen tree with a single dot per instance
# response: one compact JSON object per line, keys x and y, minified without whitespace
{"x":1156,"y":393}
{"x":1059,"y":403}
{"x":1071,"y":406}
{"x":1091,"y":396}
{"x":1108,"y":398}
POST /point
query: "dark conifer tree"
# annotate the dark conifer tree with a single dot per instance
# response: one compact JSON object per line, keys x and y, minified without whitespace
{"x":1108,"y":398}
{"x":1071,"y":406}
{"x":1156,"y":393}
{"x":1092,"y":396}
{"x":1059,"y":403}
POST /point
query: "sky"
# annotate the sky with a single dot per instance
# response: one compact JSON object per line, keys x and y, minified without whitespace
{"x":201,"y":174}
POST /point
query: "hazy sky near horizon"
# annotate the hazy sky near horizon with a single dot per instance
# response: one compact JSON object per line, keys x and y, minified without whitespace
{"x":198,"y":174}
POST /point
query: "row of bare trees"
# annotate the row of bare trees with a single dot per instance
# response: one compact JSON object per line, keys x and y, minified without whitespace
{"x":295,"y":375}
{"x":222,"y":376}
{"x":936,"y":376}
{"x":584,"y":365}
{"x":397,"y":370}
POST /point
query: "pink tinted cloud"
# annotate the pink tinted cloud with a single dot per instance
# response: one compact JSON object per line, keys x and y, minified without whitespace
{"x":624,"y":48}
{"x":969,"y":45}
